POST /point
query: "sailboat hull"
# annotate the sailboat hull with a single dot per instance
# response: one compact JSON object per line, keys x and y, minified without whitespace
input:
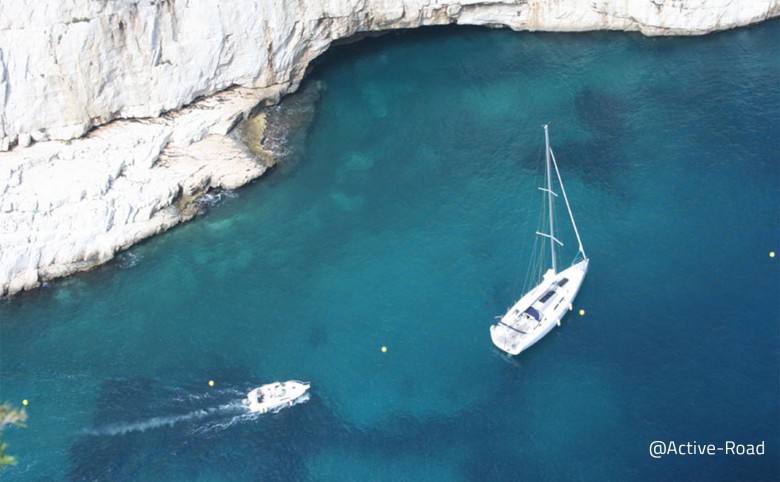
{"x":539,"y":310}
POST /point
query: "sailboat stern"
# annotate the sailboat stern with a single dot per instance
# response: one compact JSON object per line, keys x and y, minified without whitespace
{"x":505,"y":340}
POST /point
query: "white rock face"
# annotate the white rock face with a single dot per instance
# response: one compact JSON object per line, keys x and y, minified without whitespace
{"x":66,"y":67}
{"x":68,"y":206}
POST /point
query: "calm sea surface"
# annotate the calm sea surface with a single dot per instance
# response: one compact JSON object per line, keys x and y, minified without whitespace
{"x":406,"y":220}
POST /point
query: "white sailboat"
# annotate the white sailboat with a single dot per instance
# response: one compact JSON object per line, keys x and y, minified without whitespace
{"x":543,"y":306}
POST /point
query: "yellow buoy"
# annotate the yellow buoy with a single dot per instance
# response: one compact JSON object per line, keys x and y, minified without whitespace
{"x":25,"y":402}
{"x":582,"y":312}
{"x":384,"y":349}
{"x":771,"y":254}
{"x":211,"y":383}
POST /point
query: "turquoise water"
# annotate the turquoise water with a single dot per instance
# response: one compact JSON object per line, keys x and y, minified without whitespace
{"x":404,"y":222}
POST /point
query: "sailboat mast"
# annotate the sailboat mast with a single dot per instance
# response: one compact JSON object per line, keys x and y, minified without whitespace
{"x":550,"y":195}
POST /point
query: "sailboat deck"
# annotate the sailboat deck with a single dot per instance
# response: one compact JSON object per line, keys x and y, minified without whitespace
{"x":522,"y":324}
{"x":535,"y":314}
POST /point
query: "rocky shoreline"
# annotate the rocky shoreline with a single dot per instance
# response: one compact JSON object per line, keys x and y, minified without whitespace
{"x":116,"y":116}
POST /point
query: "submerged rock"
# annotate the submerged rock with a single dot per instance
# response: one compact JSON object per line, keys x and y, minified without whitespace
{"x":275,"y":133}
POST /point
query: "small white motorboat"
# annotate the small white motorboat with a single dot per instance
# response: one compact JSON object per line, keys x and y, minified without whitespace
{"x":276,"y":395}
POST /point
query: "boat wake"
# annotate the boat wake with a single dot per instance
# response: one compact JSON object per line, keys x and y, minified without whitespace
{"x":219,"y":425}
{"x":215,"y":419}
{"x":165,"y":421}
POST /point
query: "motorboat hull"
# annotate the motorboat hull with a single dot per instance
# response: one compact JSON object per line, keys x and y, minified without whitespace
{"x":276,"y":396}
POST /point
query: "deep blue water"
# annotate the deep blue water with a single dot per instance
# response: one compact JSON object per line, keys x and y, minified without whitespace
{"x":403,"y":222}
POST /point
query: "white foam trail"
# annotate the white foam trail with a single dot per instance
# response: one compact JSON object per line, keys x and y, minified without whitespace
{"x":143,"y":426}
{"x":157,"y":422}
{"x":167,"y":421}
{"x":222,"y":425}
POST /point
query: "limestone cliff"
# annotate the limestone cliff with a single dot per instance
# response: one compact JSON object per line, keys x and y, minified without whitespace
{"x":68,"y":66}
{"x":71,"y":197}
